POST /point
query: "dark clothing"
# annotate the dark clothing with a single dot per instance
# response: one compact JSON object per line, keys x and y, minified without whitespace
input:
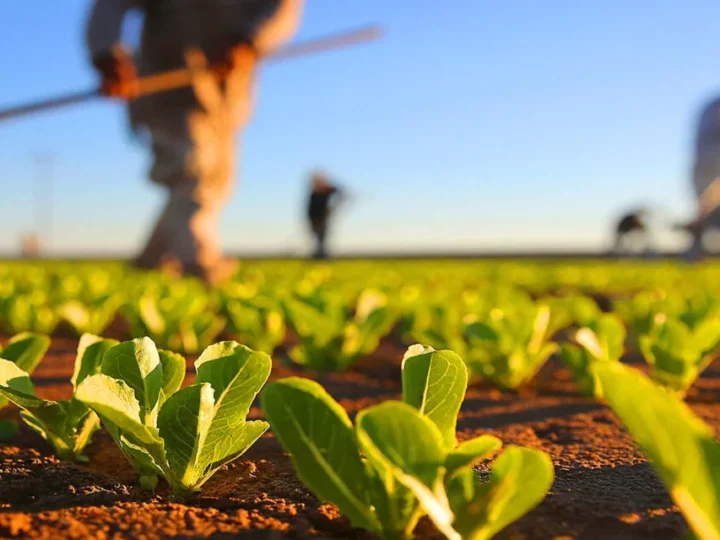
{"x":631,"y":233}
{"x":630,"y":223}
{"x":318,"y":213}
{"x":319,"y":205}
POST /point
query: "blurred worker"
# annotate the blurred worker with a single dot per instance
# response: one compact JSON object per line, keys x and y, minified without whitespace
{"x":191,"y":131}
{"x":706,"y":178}
{"x":324,"y":199}
{"x":631,"y":232}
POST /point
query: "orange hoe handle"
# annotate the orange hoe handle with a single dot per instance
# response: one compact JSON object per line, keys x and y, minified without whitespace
{"x":171,"y":80}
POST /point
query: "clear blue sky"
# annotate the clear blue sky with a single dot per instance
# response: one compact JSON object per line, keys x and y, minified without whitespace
{"x":474,"y":123}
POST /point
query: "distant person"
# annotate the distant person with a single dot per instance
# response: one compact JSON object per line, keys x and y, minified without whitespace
{"x":705,"y":178}
{"x":631,"y":233}
{"x":191,"y":131}
{"x":324,"y":198}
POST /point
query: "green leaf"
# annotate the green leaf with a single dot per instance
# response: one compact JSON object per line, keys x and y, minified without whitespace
{"x":402,"y":445}
{"x":115,"y":402}
{"x":90,"y":353}
{"x":318,"y":434}
{"x":706,"y":335}
{"x":183,"y":420}
{"x":435,"y":383}
{"x":137,"y":363}
{"x":49,"y":418}
{"x":681,"y":447}
{"x":470,"y":452}
{"x":236,"y":380}
{"x":26,"y":350}
{"x":519,"y":480}
{"x":173,"y":371}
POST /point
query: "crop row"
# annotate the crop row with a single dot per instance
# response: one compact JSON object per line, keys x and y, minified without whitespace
{"x":331,"y":316}
{"x":399,"y":461}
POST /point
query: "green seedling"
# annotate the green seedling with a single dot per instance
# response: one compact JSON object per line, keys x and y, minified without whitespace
{"x":401,"y":460}
{"x":184,"y":322}
{"x":67,"y":425}
{"x":257,"y":324}
{"x":29,"y":312}
{"x":91,"y":317}
{"x":602,"y":340}
{"x":25,"y":350}
{"x":677,"y":354}
{"x":184,"y":435}
{"x":330,"y":340}
{"x":509,"y":351}
{"x":681,"y":447}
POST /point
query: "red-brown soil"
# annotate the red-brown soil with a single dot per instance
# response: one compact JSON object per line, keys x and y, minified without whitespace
{"x":604,"y":488}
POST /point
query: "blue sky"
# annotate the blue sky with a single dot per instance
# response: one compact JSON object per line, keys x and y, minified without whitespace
{"x":473,"y":124}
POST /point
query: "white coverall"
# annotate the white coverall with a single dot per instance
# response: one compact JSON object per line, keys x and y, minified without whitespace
{"x":192,"y":130}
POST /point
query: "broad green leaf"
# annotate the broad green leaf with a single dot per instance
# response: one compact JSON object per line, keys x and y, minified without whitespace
{"x":236,"y":380}
{"x":115,"y":402}
{"x":14,"y":378}
{"x":435,"y":383}
{"x":173,"y":371}
{"x":75,"y":313}
{"x":519,"y":480}
{"x":469,"y":453}
{"x":137,"y":363}
{"x":16,"y":386}
{"x":590,"y":342}
{"x":611,"y":332}
{"x":317,"y":433}
{"x":182,"y":422}
{"x":26,"y":350}
{"x":706,"y":335}
{"x":90,"y":353}
{"x":218,"y":350}
{"x":400,"y":442}
{"x":681,"y":447}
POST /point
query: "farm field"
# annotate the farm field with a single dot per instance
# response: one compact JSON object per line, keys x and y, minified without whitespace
{"x":529,"y":334}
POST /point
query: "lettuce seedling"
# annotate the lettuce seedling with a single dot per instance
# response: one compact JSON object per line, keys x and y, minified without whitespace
{"x":678,"y":355}
{"x":509,"y":350}
{"x":29,"y":312}
{"x":329,"y":341}
{"x":184,"y":322}
{"x":567,"y":311}
{"x":26,"y":350}
{"x":91,"y":317}
{"x":601,"y":340}
{"x":257,"y":324}
{"x":681,"y":447}
{"x":66,"y":424}
{"x":401,"y":460}
{"x":184,"y":435}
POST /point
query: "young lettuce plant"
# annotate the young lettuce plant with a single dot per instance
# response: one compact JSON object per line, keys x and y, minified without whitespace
{"x":257,"y":324}
{"x":681,"y":447}
{"x":509,"y":351}
{"x":182,"y":320}
{"x":25,"y":350}
{"x":29,"y":312}
{"x":678,"y":355}
{"x":601,"y":340}
{"x":402,"y":460}
{"x":331,"y":342}
{"x":66,"y":424}
{"x":184,"y":435}
{"x":91,"y":317}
